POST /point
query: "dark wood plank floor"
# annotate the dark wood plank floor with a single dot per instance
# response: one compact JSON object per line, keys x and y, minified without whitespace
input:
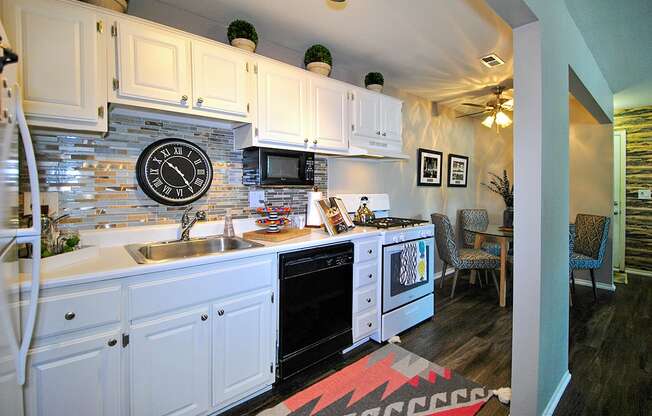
{"x":610,"y":352}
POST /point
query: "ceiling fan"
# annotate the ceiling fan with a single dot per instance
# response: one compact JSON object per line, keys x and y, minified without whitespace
{"x":494,"y":109}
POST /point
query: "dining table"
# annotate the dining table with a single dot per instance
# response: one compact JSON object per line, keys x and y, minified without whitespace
{"x":503,"y":236}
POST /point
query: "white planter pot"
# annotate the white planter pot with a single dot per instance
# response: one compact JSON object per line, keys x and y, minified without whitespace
{"x":117,"y":5}
{"x":320,"y":68}
{"x":375,"y":87}
{"x":243,"y":43}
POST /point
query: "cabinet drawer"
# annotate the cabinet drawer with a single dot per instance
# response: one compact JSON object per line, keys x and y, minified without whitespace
{"x":66,"y":312}
{"x":366,"y":250}
{"x":182,"y":288}
{"x":364,"y":274}
{"x":365,"y":324}
{"x":364,"y":298}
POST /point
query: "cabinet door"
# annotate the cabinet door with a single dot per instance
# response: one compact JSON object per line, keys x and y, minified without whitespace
{"x":170,"y":365}
{"x":219,"y":79}
{"x":60,"y":61}
{"x":329,"y":114}
{"x":153,"y":64}
{"x":282,"y":104}
{"x":243,"y":347}
{"x":392,"y":118}
{"x":75,"y":378}
{"x":366,"y":114}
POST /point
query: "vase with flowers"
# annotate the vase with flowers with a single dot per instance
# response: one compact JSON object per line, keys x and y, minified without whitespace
{"x":503,"y":187}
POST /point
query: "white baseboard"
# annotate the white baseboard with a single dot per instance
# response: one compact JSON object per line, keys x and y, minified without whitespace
{"x":600,"y":285}
{"x":449,"y":270}
{"x":638,"y":272}
{"x":556,"y":396}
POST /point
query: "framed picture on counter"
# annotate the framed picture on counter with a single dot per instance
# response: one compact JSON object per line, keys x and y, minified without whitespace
{"x":458,"y":170}
{"x":429,"y":167}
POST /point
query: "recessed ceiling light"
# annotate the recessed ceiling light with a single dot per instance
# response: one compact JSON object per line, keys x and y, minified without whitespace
{"x":491,"y":60}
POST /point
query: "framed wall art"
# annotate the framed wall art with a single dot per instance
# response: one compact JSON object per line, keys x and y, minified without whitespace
{"x":458,"y":170}
{"x":430,"y":167}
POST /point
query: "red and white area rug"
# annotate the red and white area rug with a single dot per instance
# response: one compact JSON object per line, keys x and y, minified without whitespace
{"x":388,"y":382}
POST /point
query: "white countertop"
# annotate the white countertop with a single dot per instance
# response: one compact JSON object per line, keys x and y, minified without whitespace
{"x":111,"y":261}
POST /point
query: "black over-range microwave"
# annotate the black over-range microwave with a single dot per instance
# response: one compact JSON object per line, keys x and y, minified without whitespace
{"x":276,"y":167}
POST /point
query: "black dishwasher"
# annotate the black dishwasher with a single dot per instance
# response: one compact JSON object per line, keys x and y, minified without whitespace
{"x":316,"y":298}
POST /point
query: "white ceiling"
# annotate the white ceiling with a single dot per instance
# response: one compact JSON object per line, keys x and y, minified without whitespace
{"x":429,"y":48}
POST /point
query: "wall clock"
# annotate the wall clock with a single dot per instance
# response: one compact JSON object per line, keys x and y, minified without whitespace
{"x":174,"y":172}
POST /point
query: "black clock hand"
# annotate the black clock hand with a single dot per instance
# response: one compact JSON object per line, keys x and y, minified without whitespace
{"x":179,"y":172}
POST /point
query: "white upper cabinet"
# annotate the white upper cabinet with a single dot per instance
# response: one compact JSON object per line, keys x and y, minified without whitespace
{"x":243,"y":346}
{"x":282,"y":104}
{"x":366,"y":113}
{"x":62,"y":62}
{"x":77,"y":378}
{"x":152,"y":65}
{"x":391,"y":118}
{"x":170,"y":365}
{"x":329,"y":114}
{"x":220,"y":79}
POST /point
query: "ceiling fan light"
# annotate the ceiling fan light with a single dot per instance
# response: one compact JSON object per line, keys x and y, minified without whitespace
{"x":503,"y":119}
{"x":488,"y":121}
{"x":509,"y":103}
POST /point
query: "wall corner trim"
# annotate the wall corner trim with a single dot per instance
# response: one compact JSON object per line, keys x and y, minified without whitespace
{"x":556,"y":396}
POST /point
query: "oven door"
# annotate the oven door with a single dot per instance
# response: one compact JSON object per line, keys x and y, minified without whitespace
{"x":408,"y":272}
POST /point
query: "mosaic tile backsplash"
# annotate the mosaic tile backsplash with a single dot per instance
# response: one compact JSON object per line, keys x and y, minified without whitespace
{"x":96,"y":180}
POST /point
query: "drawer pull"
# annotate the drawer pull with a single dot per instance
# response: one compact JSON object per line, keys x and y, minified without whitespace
{"x":70,"y":316}
{"x":112,"y":342}
{"x":370,"y":251}
{"x":369,"y":324}
{"x":184,"y":98}
{"x":371,"y":275}
{"x":368,"y":300}
{"x":220,"y":312}
{"x":204,"y":317}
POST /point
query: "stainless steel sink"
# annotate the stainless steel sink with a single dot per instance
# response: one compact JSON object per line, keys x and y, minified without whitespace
{"x":172,"y":250}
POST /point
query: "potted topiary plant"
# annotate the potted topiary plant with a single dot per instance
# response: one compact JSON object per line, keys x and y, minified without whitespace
{"x":242,"y":34}
{"x":318,"y":59}
{"x":374,"y":81}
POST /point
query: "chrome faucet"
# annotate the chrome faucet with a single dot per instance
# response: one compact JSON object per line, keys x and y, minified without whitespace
{"x":187,"y":222}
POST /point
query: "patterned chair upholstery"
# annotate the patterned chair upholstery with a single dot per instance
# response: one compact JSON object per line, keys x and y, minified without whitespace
{"x":587,"y":245}
{"x":477,"y":218}
{"x":460,"y":259}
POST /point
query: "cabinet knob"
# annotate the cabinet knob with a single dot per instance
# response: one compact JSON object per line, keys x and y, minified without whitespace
{"x":70,"y":316}
{"x":371,"y":275}
{"x":369,"y":324}
{"x":378,"y":133}
{"x":220,"y":312}
{"x":200,"y":100}
{"x":112,"y":342}
{"x":370,"y":251}
{"x":305,"y":140}
{"x":204,"y":317}
{"x":314,"y":141}
{"x":384,"y":134}
{"x":184,"y":98}
{"x":368,"y":300}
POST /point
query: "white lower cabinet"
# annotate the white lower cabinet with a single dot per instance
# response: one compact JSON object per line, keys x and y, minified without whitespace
{"x":170,"y":365}
{"x":243,"y":346}
{"x":80,"y":377}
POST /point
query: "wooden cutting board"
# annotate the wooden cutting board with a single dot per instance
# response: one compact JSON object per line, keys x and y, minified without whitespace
{"x":284,"y":234}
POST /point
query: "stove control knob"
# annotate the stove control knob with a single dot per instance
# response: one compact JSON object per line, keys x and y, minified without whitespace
{"x":395,"y":239}
{"x":424,"y":234}
{"x":402,"y":237}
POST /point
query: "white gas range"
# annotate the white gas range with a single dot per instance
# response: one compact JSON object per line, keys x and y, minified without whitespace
{"x":408,"y":265}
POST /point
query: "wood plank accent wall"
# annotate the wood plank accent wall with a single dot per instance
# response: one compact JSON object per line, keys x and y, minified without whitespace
{"x":638,"y":230}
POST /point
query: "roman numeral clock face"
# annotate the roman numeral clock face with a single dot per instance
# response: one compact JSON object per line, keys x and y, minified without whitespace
{"x":174,"y":172}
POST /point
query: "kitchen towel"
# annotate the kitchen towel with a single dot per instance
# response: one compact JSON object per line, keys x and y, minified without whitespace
{"x":413,"y":264}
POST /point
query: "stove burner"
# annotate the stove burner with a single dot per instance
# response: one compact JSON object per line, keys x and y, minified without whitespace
{"x":391,"y":222}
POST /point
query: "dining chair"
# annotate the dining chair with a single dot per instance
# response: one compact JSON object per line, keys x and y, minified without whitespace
{"x":587,"y":246}
{"x":460,"y":259}
{"x":476,"y":218}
